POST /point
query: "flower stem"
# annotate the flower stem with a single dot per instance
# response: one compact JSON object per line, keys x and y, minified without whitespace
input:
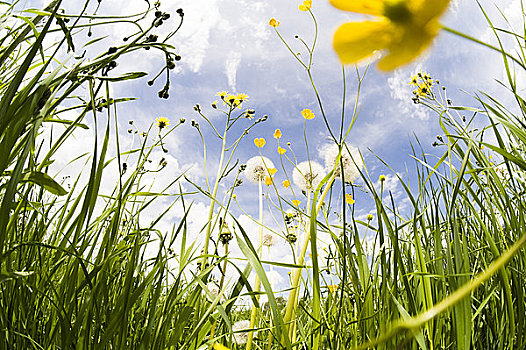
{"x":257,"y":283}
{"x":296,"y":275}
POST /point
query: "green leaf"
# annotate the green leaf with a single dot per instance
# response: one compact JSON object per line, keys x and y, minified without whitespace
{"x":45,"y":181}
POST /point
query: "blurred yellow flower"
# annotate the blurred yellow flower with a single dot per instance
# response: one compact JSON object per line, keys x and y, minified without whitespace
{"x":259,"y":142}
{"x":273,"y":22}
{"x":307,"y":114}
{"x":281,"y":150}
{"x":332,"y":288}
{"x":307,"y":4}
{"x":369,"y":217}
{"x":218,"y":346}
{"x":268,"y":180}
{"x":286,"y":183}
{"x":414,"y":81}
{"x":296,"y":202}
{"x":277,"y":134}
{"x":162,"y":122}
{"x":348,"y":199}
{"x":272,"y":171}
{"x":404,"y":28}
{"x":382,"y":178}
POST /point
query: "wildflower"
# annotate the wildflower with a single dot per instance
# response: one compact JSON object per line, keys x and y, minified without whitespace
{"x":296,"y":202}
{"x":414,"y":81}
{"x":259,"y":142}
{"x":268,"y":180}
{"x":382,"y":178}
{"x":281,"y":150}
{"x":308,"y":175}
{"x":222,"y":94}
{"x":404,"y":28}
{"x":307,"y":114}
{"x":240,"y":329}
{"x":369,"y":217}
{"x":422,"y":90}
{"x":291,"y":236}
{"x":162,"y":122}
{"x":277,"y":134}
{"x":427,"y":78}
{"x":226,"y":235}
{"x":232,"y":100}
{"x":273,"y":22}
{"x":258,"y":168}
{"x":350,"y":158}
{"x":268,"y":240}
{"x":348,"y":199}
{"x":241,"y":97}
{"x":272,"y":171}
{"x":332,"y":288}
{"x":307,"y":4}
{"x":218,"y":346}
{"x":286,"y":183}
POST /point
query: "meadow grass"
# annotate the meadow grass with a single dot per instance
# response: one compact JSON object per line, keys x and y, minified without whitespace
{"x":77,"y":267}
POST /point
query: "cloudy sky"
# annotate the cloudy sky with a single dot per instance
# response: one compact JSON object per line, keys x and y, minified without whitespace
{"x":229,"y":45}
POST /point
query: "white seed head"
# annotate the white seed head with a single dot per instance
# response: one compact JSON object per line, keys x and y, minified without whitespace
{"x":258,"y":168}
{"x":351,"y":159}
{"x":268,"y":240}
{"x":238,"y":328}
{"x":308,"y":175}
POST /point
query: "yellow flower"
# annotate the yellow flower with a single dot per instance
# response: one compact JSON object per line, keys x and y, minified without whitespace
{"x":414,"y":81}
{"x":404,"y":28}
{"x":332,"y":288}
{"x":382,"y":178}
{"x":277,"y":134}
{"x":259,"y":142}
{"x":281,"y":150}
{"x":273,"y":22}
{"x":369,"y":217}
{"x":307,"y":4}
{"x":268,"y":180}
{"x":218,"y":346}
{"x":222,"y":94}
{"x":162,"y":122}
{"x":348,"y":199}
{"x":296,"y":202}
{"x":423,"y":90}
{"x":241,"y":97}
{"x":286,"y":183}
{"x":307,"y":114}
{"x":272,"y":171}
{"x":232,"y":100}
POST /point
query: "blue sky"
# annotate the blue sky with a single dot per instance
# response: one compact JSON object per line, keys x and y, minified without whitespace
{"x":228,"y":45}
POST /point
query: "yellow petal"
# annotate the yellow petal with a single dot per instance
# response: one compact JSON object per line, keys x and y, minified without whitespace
{"x":412,"y":42}
{"x":424,"y":11}
{"x":355,"y":41}
{"x":370,"y":7}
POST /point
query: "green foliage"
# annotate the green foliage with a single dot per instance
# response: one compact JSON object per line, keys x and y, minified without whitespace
{"x":79,"y":269}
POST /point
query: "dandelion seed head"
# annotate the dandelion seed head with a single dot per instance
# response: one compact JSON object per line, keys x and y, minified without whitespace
{"x":268,"y":240}
{"x":351,"y":159}
{"x":258,"y":169}
{"x":308,"y":175}
{"x":239,"y":336}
